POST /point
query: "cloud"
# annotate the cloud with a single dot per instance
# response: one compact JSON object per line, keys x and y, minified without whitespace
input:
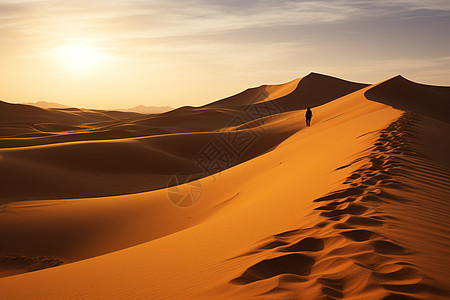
{"x":158,"y":18}
{"x":148,"y":30}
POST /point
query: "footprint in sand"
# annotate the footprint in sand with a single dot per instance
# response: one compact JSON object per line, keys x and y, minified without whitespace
{"x":360,"y":235}
{"x":293,"y":263}
{"x":306,"y":244}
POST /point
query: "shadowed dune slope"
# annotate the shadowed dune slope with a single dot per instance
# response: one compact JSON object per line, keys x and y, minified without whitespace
{"x":16,"y":113}
{"x":427,"y":100}
{"x":122,"y":166}
{"x":311,"y":90}
{"x":317,"y":89}
{"x":10,"y":112}
{"x":23,"y":125}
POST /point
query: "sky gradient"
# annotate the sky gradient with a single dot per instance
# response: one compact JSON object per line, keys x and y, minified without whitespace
{"x":164,"y":52}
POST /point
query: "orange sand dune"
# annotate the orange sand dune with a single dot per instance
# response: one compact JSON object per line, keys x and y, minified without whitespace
{"x":353,"y":207}
{"x":146,"y":149}
{"x":28,"y":125}
{"x":118,"y":166}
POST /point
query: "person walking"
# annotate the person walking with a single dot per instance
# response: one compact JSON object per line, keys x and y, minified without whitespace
{"x":308,"y":116}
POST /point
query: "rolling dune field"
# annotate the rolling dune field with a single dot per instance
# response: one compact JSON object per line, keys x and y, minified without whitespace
{"x":236,"y":199}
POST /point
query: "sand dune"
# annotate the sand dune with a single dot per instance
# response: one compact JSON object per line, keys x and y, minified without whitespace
{"x":11,"y":114}
{"x":144,"y":148}
{"x":353,"y":207}
{"x":126,"y":165}
{"x":398,"y":92}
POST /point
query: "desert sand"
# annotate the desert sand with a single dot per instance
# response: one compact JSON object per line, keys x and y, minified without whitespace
{"x":236,"y":199}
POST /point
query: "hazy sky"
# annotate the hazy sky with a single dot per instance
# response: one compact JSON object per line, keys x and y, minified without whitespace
{"x":164,"y":52}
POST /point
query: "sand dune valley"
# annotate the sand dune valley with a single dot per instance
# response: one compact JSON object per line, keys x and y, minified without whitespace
{"x":236,"y":199}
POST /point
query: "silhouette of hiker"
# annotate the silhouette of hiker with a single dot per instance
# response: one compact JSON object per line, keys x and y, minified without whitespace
{"x":308,"y":116}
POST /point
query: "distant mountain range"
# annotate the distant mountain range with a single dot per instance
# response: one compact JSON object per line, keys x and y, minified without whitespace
{"x":45,"y":104}
{"x":142,"y":109}
{"x":147,"y":109}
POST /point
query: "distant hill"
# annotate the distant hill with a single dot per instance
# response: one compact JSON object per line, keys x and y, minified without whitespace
{"x":45,"y":104}
{"x":142,"y":109}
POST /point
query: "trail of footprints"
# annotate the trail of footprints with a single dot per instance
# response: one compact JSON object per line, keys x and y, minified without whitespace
{"x":346,"y":253}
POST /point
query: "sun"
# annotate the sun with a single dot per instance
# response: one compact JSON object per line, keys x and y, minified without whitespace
{"x":81,"y":57}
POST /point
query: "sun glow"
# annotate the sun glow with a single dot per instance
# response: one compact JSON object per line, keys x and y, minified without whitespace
{"x":81,"y":57}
